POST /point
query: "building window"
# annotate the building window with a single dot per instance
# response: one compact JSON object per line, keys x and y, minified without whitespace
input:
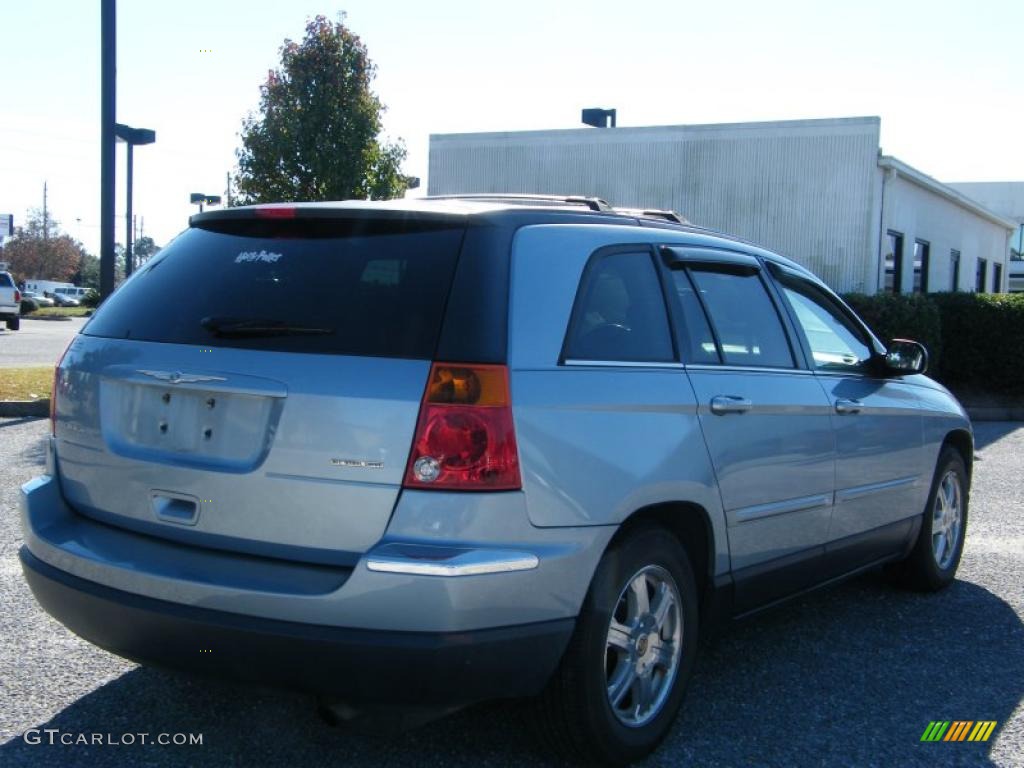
{"x":997,"y":278}
{"x":954,"y":270}
{"x":921,"y":253}
{"x":893,"y":261}
{"x":981,"y":276}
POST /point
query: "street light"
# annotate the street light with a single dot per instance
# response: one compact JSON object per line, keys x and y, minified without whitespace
{"x":132,"y":137}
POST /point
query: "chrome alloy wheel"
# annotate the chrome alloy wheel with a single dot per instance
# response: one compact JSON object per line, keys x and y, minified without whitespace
{"x":643,"y":646}
{"x":947,"y":520}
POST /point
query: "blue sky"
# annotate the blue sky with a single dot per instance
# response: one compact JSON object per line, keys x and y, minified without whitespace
{"x":947,"y":79}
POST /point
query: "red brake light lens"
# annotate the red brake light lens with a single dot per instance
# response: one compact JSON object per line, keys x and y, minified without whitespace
{"x":465,"y":439}
{"x":17,"y":296}
{"x":276,"y":212}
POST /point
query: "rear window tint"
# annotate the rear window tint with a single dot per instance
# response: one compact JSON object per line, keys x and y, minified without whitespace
{"x":351,"y":288}
{"x":5,"y":280}
{"x":620,"y":312}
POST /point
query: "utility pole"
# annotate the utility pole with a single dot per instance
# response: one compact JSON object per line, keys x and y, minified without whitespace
{"x":228,"y":188}
{"x":108,"y":111}
{"x":44,"y":263}
{"x":128,"y":266}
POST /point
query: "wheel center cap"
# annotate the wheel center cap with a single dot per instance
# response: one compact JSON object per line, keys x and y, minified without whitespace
{"x":641,"y":645}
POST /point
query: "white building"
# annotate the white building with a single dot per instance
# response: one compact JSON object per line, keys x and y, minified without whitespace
{"x":1007,"y":199}
{"x":819,"y":191}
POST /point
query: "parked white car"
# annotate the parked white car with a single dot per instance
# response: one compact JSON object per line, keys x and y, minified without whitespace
{"x":10,"y":302}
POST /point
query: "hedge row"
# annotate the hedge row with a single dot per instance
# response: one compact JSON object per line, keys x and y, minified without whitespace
{"x":975,"y":340}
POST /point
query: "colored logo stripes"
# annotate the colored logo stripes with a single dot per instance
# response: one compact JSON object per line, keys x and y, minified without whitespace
{"x":958,"y":730}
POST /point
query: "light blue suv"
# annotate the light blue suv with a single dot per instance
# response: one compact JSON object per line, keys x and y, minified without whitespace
{"x":427,"y":453}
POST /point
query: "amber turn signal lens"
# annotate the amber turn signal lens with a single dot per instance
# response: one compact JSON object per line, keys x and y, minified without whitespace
{"x":480,"y":385}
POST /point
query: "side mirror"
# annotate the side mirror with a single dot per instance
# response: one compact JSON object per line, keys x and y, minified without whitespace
{"x":905,"y":356}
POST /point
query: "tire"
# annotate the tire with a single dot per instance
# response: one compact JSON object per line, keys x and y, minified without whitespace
{"x":575,"y":714}
{"x":933,"y":562}
{"x":13,"y":323}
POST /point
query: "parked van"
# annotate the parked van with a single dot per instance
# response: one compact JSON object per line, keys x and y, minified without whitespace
{"x":45,"y":287}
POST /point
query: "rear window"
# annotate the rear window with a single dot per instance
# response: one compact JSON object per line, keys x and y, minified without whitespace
{"x":5,"y":280}
{"x":369,"y":287}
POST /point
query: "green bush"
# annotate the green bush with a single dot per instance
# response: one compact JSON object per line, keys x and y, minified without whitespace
{"x":91,"y":299}
{"x":975,"y":340}
{"x":983,"y":341}
{"x":893,"y":316}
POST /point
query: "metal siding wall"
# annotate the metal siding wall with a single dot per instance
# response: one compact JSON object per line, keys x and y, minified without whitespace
{"x":804,"y":189}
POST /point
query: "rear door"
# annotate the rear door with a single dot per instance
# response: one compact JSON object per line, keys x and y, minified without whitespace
{"x":880,"y":476}
{"x":765,"y":421}
{"x":255,"y":386}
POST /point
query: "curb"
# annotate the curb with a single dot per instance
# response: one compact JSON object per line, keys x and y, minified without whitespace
{"x":48,"y":318}
{"x":39,"y":407}
{"x":1007,"y":413}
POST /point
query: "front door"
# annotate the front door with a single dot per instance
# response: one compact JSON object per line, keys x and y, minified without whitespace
{"x":880,"y":477}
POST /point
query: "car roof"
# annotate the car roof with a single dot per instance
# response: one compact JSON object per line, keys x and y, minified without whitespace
{"x":493,"y":208}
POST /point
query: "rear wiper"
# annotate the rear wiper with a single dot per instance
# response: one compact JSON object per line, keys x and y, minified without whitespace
{"x":258,"y":326}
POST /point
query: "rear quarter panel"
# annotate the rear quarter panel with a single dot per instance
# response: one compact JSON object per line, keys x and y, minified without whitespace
{"x":596,"y":443}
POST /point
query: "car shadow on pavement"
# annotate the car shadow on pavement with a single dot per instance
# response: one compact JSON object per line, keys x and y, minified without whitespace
{"x":851,"y":676}
{"x":988,"y":432}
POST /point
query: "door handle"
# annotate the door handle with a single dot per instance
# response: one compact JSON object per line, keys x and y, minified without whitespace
{"x":723,"y":404}
{"x":848,"y":406}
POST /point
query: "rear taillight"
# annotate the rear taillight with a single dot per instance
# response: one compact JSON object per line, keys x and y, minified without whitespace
{"x":17,"y":296}
{"x":465,"y":439}
{"x":56,"y":386}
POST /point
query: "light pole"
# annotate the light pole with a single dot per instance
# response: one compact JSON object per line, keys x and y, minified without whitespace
{"x":198,"y":198}
{"x":132,"y":137}
{"x":108,"y":84}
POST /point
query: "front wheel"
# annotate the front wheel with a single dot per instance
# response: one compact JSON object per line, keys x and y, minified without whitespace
{"x":933,"y":562}
{"x":622,"y":680}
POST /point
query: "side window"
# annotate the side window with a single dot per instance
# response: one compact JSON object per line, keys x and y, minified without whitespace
{"x":695,"y":337}
{"x":836,"y":343}
{"x":620,"y":312}
{"x":745,"y":320}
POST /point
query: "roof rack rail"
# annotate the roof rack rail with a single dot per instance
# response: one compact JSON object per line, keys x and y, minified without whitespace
{"x":654,"y":213}
{"x":593,"y":203}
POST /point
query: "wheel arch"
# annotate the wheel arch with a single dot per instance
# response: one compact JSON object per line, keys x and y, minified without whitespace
{"x":690,"y":523}
{"x":962,"y":441}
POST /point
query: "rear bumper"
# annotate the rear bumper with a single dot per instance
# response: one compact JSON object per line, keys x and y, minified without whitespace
{"x":430,"y":669}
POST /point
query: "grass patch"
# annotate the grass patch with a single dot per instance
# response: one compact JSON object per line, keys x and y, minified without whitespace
{"x":23,"y":383}
{"x":63,"y":311}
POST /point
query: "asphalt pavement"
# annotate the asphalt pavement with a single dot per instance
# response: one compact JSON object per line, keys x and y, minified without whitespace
{"x":851,"y":676}
{"x":39,"y":342}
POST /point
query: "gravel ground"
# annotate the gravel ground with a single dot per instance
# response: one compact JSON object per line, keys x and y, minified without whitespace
{"x":848,"y":677}
{"x":39,"y":342}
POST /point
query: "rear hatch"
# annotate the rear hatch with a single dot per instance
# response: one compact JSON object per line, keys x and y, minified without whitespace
{"x":255,"y":386}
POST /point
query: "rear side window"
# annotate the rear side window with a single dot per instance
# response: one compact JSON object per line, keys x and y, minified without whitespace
{"x":620,"y":312}
{"x":743,"y":317}
{"x":371,"y":288}
{"x":5,"y":280}
{"x":695,"y":334}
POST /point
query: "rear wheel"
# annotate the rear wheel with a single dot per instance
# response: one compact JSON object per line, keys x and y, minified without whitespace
{"x":13,"y":323}
{"x":622,"y":680}
{"x":933,"y":562}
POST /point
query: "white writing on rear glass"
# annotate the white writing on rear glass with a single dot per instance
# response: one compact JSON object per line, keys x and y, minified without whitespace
{"x":266,"y":256}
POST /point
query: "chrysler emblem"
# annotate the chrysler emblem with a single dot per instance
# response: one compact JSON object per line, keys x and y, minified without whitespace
{"x":177,"y":377}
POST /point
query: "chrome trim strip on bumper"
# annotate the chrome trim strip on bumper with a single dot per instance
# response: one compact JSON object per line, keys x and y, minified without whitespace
{"x":429,"y":560}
